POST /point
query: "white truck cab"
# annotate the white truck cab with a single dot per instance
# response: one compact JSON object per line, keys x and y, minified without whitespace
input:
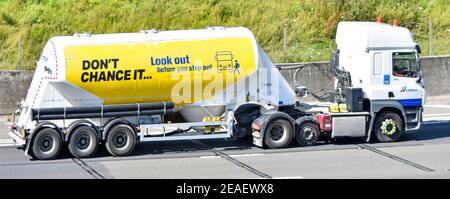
{"x":383,"y":61}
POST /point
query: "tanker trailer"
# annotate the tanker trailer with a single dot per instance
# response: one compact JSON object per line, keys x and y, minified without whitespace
{"x":119,"y":89}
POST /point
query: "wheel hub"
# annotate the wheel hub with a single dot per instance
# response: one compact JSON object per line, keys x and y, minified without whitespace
{"x":308,"y":133}
{"x":83,"y":141}
{"x":276,"y":133}
{"x":46,"y":143}
{"x":388,"y":127}
{"x":120,"y":140}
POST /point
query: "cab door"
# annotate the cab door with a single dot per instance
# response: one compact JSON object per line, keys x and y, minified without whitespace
{"x":405,"y":75}
{"x":380,"y":75}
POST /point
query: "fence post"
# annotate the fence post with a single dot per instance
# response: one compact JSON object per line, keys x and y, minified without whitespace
{"x":19,"y":45}
{"x":285,"y":41}
{"x":430,"y":35}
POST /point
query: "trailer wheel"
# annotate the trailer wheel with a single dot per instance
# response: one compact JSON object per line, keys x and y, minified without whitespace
{"x":278,"y":133}
{"x":307,"y":134}
{"x":120,"y":140}
{"x":388,"y":127}
{"x":83,"y":142}
{"x":47,"y":144}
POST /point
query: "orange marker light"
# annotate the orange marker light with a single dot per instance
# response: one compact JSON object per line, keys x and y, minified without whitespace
{"x":395,"y":23}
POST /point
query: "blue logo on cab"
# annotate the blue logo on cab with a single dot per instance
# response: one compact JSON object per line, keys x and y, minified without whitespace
{"x":387,"y":79}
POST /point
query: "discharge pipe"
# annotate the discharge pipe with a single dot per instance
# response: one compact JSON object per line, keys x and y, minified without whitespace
{"x":118,"y":110}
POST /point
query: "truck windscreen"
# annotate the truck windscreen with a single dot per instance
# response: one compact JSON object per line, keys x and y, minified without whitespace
{"x":405,"y":64}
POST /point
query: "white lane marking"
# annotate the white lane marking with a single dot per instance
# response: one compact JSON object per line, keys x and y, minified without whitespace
{"x":6,"y":141}
{"x":234,"y":156}
{"x":438,"y":119}
{"x":437,"y":115}
{"x":437,"y":106}
{"x":7,"y":145}
{"x":210,"y":157}
{"x":246,"y":155}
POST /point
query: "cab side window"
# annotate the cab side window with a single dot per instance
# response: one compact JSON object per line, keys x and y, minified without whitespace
{"x":405,"y":64}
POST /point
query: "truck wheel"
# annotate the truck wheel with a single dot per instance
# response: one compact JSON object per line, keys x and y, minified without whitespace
{"x":46,"y":144}
{"x":307,"y":134}
{"x":278,"y":134}
{"x":120,"y":140}
{"x":388,"y":127}
{"x":83,"y":142}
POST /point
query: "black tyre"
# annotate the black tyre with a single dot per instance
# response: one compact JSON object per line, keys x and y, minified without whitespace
{"x":278,"y":133}
{"x":307,"y":134}
{"x":120,"y":140}
{"x":388,"y":127}
{"x":83,"y":142}
{"x":46,"y":144}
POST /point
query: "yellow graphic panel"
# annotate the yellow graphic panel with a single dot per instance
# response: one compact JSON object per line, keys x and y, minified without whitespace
{"x":179,"y":71}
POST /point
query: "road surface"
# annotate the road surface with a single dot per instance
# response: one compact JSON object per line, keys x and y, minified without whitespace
{"x":422,"y":154}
